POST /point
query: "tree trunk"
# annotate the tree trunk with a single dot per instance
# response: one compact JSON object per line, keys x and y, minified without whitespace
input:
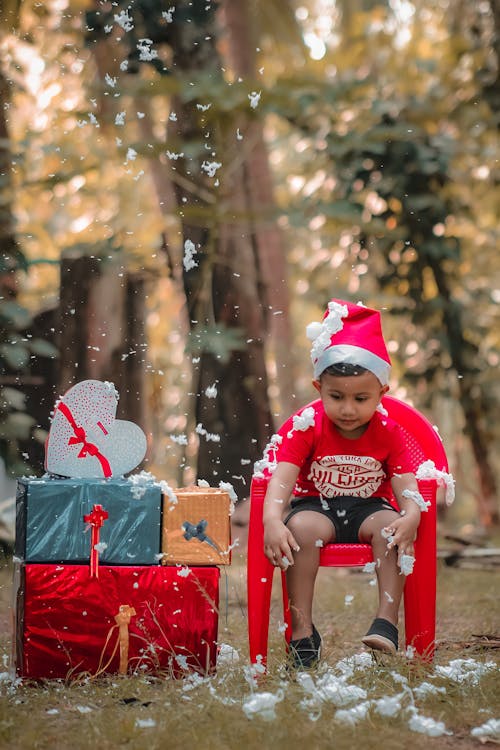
{"x":224,"y":291}
{"x":472,"y":403}
{"x":258,"y":185}
{"x":102,"y":330}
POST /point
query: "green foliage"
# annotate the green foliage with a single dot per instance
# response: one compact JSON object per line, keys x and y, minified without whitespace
{"x":218,"y":340}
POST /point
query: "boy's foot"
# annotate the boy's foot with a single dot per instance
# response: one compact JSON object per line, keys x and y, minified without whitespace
{"x":382,"y":636}
{"x":305,"y":652}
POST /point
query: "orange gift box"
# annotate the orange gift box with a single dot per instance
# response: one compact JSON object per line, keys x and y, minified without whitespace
{"x":197,"y":528}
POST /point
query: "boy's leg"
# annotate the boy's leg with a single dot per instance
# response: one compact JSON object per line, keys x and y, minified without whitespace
{"x":383,"y":634}
{"x":309,"y":528}
{"x":390,"y":581}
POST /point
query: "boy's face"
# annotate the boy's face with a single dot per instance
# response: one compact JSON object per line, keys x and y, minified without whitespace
{"x":350,"y":401}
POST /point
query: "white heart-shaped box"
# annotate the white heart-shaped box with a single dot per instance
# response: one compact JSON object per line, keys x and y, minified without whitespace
{"x":86,"y":441}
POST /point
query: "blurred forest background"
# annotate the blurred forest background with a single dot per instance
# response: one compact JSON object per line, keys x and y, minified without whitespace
{"x":184,"y":186}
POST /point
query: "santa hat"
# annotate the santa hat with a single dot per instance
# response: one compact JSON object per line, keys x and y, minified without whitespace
{"x":352,"y":334}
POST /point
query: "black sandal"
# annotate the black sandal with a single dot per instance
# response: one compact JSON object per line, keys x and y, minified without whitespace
{"x":382,"y":636}
{"x":305,"y":652}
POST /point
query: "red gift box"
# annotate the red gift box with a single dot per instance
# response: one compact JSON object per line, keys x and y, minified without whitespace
{"x":140,"y":618}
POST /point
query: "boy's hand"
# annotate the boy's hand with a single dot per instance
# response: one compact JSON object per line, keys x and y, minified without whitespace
{"x":401,"y":534}
{"x":279,"y":543}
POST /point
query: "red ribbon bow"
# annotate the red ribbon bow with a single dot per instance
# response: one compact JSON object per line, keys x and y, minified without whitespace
{"x":96,"y":519}
{"x":81,"y":437}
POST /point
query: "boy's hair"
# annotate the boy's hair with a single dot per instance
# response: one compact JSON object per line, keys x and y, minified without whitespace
{"x":343,"y":369}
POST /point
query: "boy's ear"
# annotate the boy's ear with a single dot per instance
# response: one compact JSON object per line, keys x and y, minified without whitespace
{"x":317,"y":385}
{"x":384,"y":390}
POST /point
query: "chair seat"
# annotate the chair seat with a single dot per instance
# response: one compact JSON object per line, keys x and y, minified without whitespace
{"x":345,"y":555}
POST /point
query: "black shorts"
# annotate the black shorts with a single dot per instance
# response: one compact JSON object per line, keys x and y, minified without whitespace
{"x":346,"y":513}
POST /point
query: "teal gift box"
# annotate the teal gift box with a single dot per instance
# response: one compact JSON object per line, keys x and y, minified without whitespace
{"x":51,"y":525}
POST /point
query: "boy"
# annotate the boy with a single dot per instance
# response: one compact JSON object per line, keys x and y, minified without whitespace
{"x":339,"y":458}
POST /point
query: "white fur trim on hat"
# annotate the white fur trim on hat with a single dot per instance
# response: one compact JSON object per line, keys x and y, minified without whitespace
{"x":354,"y":355}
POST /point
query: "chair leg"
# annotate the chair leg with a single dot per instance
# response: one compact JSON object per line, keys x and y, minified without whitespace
{"x":420,"y":589}
{"x":259,"y":579}
{"x":259,"y":588}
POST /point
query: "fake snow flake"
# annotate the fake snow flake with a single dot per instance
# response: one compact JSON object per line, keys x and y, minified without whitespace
{"x":131,"y":155}
{"x":427,"y":470}
{"x":368,"y":567}
{"x":179,"y":439}
{"x":83,"y":709}
{"x":211,"y":167}
{"x":319,"y":543}
{"x":352,"y":716}
{"x":262,"y":705}
{"x":226,"y":654}
{"x":228,"y":487}
{"x":182,"y":661}
{"x":427,"y":725}
{"x":239,"y":137}
{"x":168,"y":14}
{"x":120,"y":118}
{"x":320,"y":333}
{"x":348,"y":600}
{"x":302,"y":421}
{"x":93,"y":120}
{"x":110,"y":81}
{"x":254,"y":98}
{"x":100,"y":547}
{"x":335,"y":690}
{"x":203,"y":107}
{"x":389,"y":705}
{"x":166,"y":489}
{"x":387,"y":535}
{"x":141,"y":115}
{"x":184,"y":571}
{"x":145,"y":52}
{"x":465,"y":670}
{"x":173,"y":156}
{"x":124,"y":65}
{"x":418,"y":499}
{"x":269,"y":462}
{"x":406,"y":564}
{"x":145,"y":723}
{"x":123,"y":19}
{"x":211,"y":391}
{"x":209,"y":436}
{"x":140,"y":483}
{"x":427,"y":688}
{"x":203,"y":483}
{"x":350,"y":664}
{"x":189,"y":252}
{"x":490,"y":730}
{"x":172,"y":117}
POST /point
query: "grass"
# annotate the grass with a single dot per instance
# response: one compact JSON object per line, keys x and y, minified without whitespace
{"x":138,"y":711}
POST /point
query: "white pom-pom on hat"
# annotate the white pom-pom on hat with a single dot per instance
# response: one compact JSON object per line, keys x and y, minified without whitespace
{"x":313,"y":330}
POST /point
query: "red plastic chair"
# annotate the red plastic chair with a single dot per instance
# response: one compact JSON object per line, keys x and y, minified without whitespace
{"x":420,"y":587}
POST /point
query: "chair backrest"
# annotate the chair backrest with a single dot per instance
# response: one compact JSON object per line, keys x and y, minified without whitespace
{"x":422,"y":438}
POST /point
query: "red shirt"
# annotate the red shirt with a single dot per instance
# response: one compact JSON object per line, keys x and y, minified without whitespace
{"x":333,"y":466}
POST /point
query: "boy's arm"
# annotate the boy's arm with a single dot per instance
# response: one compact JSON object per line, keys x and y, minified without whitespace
{"x":279,"y":542}
{"x":404,"y":529}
